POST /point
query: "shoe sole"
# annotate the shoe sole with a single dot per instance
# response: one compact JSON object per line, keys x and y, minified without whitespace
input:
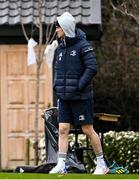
{"x":105,"y":172}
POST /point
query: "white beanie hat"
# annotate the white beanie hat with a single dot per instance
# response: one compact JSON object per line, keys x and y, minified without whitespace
{"x":67,"y":23}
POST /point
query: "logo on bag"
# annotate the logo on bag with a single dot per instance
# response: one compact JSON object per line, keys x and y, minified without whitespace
{"x":73,"y":53}
{"x":81,"y":117}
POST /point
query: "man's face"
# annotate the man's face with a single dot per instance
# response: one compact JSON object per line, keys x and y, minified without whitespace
{"x":60,"y":32}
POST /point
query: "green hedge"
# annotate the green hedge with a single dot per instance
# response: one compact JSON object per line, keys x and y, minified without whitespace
{"x":123,"y":147}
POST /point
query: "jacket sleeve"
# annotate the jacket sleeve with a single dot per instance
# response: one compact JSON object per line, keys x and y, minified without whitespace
{"x":54,"y":68}
{"x":88,"y":57}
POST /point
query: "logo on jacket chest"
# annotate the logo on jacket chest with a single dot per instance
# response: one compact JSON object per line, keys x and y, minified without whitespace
{"x":60,"y":56}
{"x":73,"y":53}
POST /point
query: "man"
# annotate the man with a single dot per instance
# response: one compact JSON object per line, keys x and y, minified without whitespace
{"x":74,"y":69}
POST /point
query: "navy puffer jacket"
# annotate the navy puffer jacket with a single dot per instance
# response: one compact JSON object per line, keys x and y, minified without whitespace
{"x":75,"y":66}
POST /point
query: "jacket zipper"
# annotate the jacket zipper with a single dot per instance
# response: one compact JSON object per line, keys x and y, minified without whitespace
{"x":65,"y":56}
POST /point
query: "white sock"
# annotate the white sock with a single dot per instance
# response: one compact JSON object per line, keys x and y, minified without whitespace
{"x":62,"y":159}
{"x":100,"y":160}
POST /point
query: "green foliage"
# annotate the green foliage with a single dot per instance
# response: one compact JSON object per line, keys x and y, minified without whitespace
{"x":123,"y":147}
{"x":117,"y":82}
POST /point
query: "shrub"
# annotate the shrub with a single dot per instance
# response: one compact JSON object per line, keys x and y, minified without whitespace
{"x":123,"y":147}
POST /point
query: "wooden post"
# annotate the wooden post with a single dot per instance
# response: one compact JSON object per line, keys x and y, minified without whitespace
{"x":27,"y":151}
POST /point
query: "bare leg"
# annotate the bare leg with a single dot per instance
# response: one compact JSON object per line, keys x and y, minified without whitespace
{"x":94,"y":138}
{"x":63,"y":137}
{"x":101,"y":167}
{"x":63,"y":148}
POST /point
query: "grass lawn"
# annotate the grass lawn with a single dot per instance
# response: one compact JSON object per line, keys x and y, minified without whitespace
{"x":65,"y":176}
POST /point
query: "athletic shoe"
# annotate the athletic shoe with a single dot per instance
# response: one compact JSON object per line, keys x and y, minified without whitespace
{"x":101,"y":170}
{"x":116,"y":169}
{"x":58,"y":170}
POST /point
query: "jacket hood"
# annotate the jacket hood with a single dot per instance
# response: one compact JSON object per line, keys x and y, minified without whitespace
{"x":67,"y":23}
{"x":80,"y":34}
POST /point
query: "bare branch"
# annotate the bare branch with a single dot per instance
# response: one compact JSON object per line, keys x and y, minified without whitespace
{"x":47,"y":31}
{"x":50,"y":32}
{"x":123,"y":9}
{"x":40,"y":22}
{"x":24,"y":31}
{"x":22,"y":25}
{"x":52,"y":38}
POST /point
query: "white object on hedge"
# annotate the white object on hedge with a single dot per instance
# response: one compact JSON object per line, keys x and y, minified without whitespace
{"x":49,"y":52}
{"x":31,"y":59}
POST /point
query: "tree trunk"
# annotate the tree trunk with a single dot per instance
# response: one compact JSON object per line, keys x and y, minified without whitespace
{"x":37,"y":113}
{"x":39,"y":62}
